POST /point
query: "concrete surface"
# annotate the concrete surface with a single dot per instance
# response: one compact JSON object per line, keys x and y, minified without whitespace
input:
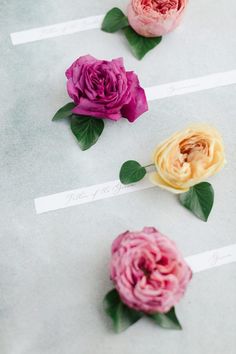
{"x":53,"y":267}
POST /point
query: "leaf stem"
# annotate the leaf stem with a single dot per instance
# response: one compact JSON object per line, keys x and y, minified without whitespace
{"x":151,"y":164}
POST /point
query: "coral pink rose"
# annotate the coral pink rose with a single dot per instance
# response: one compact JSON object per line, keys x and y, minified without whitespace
{"x":153,"y":18}
{"x":104,"y":89}
{"x":148,"y":271}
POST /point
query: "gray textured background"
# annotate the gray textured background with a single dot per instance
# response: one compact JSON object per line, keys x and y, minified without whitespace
{"x":53,"y":267}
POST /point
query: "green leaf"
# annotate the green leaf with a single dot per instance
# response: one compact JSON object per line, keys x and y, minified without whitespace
{"x":131,"y":171}
{"x":114,"y":21}
{"x":122,"y":316}
{"x":140,"y":45}
{"x":86,"y":130}
{"x":65,"y":111}
{"x":167,"y":320}
{"x":199,"y":200}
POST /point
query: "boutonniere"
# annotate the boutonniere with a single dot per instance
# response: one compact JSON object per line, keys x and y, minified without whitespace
{"x":146,"y":22}
{"x":181,"y":165}
{"x":150,"y":277}
{"x":100,"y":90}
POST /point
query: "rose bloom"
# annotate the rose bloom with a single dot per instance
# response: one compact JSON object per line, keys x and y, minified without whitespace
{"x":148,"y":271}
{"x":187,"y":158}
{"x":103,"y":89}
{"x":153,"y":18}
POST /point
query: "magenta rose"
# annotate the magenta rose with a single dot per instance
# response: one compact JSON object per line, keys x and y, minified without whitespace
{"x":148,"y":271}
{"x":103,"y":89}
{"x":153,"y":18}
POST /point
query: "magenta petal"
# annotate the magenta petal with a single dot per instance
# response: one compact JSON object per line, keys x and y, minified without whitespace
{"x":91,"y":109}
{"x":72,"y":91}
{"x":138,"y":102}
{"x":78,"y":62}
{"x":137,"y":105}
{"x":119,"y":62}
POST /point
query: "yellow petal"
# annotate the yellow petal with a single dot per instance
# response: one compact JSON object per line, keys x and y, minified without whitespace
{"x":157,"y":180}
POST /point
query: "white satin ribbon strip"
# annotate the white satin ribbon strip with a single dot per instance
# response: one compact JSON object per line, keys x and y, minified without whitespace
{"x":59,"y":29}
{"x":87,"y":195}
{"x":191,"y":85}
{"x":213,"y":258}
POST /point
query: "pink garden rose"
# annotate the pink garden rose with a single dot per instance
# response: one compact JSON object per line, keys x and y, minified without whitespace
{"x":148,"y":271}
{"x":103,"y":89}
{"x":153,"y":18}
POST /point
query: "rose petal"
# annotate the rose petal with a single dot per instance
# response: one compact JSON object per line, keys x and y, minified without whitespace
{"x":138,"y":103}
{"x":88,"y":108}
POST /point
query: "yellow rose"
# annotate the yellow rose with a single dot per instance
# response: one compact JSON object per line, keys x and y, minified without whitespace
{"x":187,"y":158}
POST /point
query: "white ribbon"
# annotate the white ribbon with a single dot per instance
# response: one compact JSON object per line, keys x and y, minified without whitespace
{"x":59,"y":29}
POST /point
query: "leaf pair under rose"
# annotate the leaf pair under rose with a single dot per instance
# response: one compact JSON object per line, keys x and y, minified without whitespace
{"x":115,"y":20}
{"x":86,"y":129}
{"x":199,"y":199}
{"x":123,"y":317}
